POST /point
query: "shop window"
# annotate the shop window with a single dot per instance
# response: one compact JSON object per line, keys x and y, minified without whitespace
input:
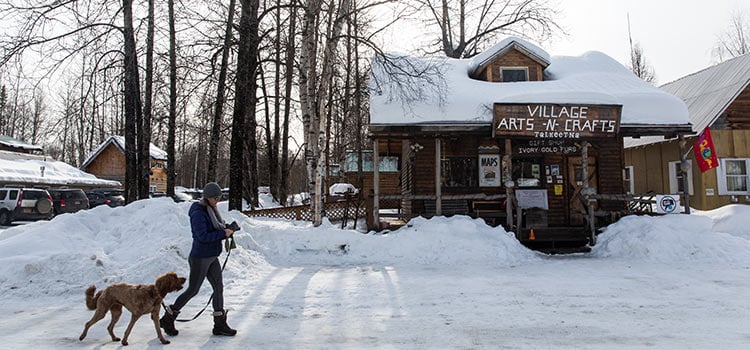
{"x":627,"y":177}
{"x":733,"y":176}
{"x":675,"y":178}
{"x":388,"y":164}
{"x":527,"y":172}
{"x":511,"y":74}
{"x":459,"y":172}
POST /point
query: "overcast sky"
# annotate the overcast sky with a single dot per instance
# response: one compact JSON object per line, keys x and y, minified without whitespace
{"x":677,"y":36}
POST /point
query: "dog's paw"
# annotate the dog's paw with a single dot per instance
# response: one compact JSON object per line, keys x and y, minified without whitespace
{"x":124,"y":342}
{"x":164,"y":341}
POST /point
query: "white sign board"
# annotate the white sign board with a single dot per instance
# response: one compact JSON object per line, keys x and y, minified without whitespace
{"x":532,"y":199}
{"x":489,"y":170}
{"x":667,"y":204}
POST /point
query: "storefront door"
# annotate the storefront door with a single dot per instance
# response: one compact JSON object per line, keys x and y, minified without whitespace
{"x":576,"y":208}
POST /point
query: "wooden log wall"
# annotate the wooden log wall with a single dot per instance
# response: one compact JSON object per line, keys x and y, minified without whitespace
{"x":515,"y":59}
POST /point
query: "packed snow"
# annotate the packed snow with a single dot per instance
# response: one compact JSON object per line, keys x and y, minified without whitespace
{"x":671,"y":282}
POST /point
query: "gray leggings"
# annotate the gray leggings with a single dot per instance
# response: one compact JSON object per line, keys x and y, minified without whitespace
{"x":200,"y":269}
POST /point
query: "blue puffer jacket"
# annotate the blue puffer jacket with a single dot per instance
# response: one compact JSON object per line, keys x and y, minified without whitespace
{"x":206,"y":240}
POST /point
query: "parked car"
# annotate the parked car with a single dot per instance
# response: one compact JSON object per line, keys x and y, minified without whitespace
{"x":112,"y":198}
{"x":68,"y":200}
{"x":17,"y":203}
{"x":177,"y":196}
{"x":182,"y":197}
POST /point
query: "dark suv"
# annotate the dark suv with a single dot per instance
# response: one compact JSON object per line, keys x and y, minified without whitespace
{"x":112,"y":198}
{"x":68,"y":200}
{"x":17,"y":203}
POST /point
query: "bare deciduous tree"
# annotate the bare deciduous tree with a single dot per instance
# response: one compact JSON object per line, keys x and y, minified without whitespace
{"x":735,"y":40}
{"x":638,"y":64}
{"x":466,"y":27}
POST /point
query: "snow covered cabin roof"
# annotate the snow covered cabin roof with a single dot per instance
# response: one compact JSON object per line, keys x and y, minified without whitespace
{"x":119,"y":141}
{"x":22,"y":168}
{"x":14,"y":143}
{"x":707,"y":94}
{"x":592,"y":78}
{"x":534,"y":52}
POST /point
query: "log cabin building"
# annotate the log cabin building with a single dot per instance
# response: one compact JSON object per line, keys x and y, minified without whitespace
{"x":717,"y":97}
{"x":514,"y":136}
{"x":107,"y":161}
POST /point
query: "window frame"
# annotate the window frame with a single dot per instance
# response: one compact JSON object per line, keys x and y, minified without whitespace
{"x":721,"y":175}
{"x":517,"y":161}
{"x":508,"y":68}
{"x":473,"y":179}
{"x":674,"y":180}
{"x":627,"y":177}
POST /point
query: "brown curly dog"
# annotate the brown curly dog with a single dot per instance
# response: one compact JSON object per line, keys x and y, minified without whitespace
{"x":139,"y":299}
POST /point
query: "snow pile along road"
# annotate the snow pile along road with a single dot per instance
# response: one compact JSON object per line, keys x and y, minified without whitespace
{"x":670,"y":238}
{"x":458,"y":240}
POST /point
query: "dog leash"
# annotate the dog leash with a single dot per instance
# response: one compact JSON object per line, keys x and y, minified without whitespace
{"x":169,"y":310}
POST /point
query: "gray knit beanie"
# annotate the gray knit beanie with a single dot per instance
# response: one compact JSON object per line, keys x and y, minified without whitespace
{"x":212,"y":190}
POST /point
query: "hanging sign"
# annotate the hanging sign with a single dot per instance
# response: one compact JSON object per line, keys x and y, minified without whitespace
{"x":489,"y":170}
{"x":556,"y":121}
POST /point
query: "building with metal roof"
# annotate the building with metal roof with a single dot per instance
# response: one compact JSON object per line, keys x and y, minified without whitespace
{"x":717,"y":97}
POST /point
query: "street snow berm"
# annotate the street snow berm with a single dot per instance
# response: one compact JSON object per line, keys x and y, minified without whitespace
{"x":670,"y":282}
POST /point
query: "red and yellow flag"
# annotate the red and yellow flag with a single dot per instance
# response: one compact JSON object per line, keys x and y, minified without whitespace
{"x":704,"y":150}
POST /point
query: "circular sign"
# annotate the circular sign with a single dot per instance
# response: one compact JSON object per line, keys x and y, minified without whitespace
{"x":668,"y":204}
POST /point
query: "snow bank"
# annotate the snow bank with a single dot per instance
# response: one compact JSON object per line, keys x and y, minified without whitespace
{"x":733,"y":219}
{"x":670,"y":238}
{"x":146,"y":238}
{"x":100,"y":246}
{"x":458,"y":240}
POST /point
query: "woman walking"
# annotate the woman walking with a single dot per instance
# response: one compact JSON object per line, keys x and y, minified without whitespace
{"x":208,"y":229}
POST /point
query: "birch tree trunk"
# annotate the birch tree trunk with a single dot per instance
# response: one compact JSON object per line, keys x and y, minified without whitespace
{"x":313,"y":97}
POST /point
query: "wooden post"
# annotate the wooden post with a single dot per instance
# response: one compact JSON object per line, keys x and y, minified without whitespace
{"x":683,"y":171}
{"x":376,"y":184}
{"x":507,"y":178}
{"x":438,"y":189}
{"x":587,"y":191}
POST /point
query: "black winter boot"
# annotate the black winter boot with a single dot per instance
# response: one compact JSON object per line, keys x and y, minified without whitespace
{"x":220,"y":324}
{"x":167,"y":321}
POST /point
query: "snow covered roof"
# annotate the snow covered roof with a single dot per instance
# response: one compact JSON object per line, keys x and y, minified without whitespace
{"x":11,"y":142}
{"x":119,"y":141}
{"x":507,"y":44}
{"x":22,"y":168}
{"x":592,"y":78}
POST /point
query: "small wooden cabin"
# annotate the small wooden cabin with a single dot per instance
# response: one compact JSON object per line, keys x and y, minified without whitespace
{"x":516,"y":137}
{"x":108,"y":162}
{"x":717,"y":97}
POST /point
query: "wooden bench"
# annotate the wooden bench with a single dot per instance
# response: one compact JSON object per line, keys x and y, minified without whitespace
{"x":493,"y":212}
{"x":448,"y":207}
